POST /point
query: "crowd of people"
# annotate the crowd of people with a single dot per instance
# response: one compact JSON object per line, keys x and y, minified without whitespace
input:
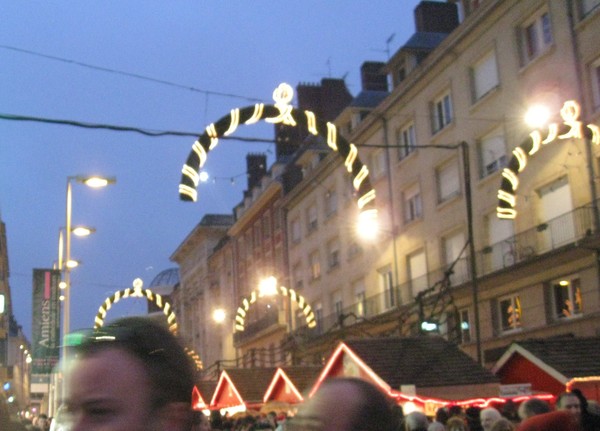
{"x":134,"y":375}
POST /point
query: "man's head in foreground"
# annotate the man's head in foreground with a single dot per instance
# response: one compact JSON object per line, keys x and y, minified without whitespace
{"x":130,"y":375}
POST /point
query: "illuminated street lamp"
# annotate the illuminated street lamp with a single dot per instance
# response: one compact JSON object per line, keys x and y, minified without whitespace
{"x":90,"y":181}
{"x":537,"y":116}
{"x":219,"y":315}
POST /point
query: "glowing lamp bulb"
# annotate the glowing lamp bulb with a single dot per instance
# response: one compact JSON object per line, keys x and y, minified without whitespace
{"x":537,"y":116}
{"x":203,"y":176}
{"x":219,"y":315}
{"x":268,"y":286}
{"x":367,"y":226}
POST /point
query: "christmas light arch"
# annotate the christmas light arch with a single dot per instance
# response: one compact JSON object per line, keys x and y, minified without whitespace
{"x":136,"y":292}
{"x":240,"y":317}
{"x":571,"y":128}
{"x":284,"y":113}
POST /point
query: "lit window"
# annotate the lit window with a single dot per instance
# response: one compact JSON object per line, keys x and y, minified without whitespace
{"x":510,"y":313}
{"x":535,"y":36}
{"x":315,"y":265}
{"x":441,"y":112}
{"x":465,"y":326}
{"x":567,"y":298}
{"x":406,"y":141}
{"x":492,"y":153}
{"x":447,"y":178}
{"x":484,"y":75}
{"x":413,"y":207}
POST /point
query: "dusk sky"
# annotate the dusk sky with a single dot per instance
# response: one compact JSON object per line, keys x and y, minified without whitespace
{"x":155,"y":65}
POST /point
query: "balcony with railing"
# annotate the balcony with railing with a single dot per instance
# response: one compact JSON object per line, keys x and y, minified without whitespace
{"x":269,"y":319}
{"x":566,"y":229}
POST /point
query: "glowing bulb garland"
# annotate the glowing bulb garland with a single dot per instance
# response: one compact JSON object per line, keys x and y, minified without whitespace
{"x":572,"y":128}
{"x":279,"y":113}
{"x":280,"y":290}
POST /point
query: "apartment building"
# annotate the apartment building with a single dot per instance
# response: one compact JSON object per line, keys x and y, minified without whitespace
{"x":449,"y":127}
{"x":437,"y":144}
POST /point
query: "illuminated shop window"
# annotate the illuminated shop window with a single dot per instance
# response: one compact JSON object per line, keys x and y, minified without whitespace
{"x":567,"y":298}
{"x":510,"y":313}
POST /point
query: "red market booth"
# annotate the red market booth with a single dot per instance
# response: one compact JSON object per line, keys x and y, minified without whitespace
{"x":553,"y":365}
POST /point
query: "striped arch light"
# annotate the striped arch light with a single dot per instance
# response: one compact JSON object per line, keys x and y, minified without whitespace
{"x":279,"y":113}
{"x":273,"y":289}
{"x":571,"y":128}
{"x":136,"y":291}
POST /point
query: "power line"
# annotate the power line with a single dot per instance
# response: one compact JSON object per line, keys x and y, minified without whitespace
{"x":129,"y":74}
{"x":146,"y":132}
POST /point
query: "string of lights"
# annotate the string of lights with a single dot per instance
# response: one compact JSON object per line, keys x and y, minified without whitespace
{"x":129,"y":74}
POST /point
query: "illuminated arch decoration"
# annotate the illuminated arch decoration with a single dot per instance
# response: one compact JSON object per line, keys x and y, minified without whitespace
{"x":571,"y":128}
{"x":284,"y":113}
{"x":136,"y":292}
{"x":309,"y":315}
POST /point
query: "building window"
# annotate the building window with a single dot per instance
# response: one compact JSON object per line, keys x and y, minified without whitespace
{"x":338,"y":305}
{"x":361,"y":299}
{"x":411,"y":201}
{"x":455,"y":257}
{"x":257,"y":234}
{"x":417,"y":267}
{"x":447,"y":179}
{"x":484,"y":75}
{"x":333,"y":253}
{"x":567,"y":298}
{"x":595,"y":81}
{"x":588,"y":5}
{"x":465,"y":326}
{"x":315,"y":265}
{"x":318,"y":309}
{"x":510,"y":313}
{"x":386,"y":284}
{"x":378,"y":165}
{"x":331,"y":202}
{"x":406,"y":141}
{"x":298,"y":278}
{"x":535,"y":36}
{"x":492,"y":153}
{"x":441,"y":112}
{"x":312,"y":220}
{"x":296,"y":231}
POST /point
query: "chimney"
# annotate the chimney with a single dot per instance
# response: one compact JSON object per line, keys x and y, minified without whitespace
{"x":373,"y":77}
{"x":436,"y":17}
{"x":256,"y":168}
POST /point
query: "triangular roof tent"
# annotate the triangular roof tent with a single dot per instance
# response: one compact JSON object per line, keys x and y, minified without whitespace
{"x":203,"y":391}
{"x":345,"y":361}
{"x":241,"y":388}
{"x":551,"y":365}
{"x":289,"y":384}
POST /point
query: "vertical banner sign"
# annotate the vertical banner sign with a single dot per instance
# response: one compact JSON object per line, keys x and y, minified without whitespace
{"x":46,"y":320}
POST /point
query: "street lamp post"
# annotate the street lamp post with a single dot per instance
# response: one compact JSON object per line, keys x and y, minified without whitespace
{"x":90,"y":181}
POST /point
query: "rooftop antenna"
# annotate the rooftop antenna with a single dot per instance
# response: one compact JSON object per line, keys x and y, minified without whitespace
{"x":388,"y":41}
